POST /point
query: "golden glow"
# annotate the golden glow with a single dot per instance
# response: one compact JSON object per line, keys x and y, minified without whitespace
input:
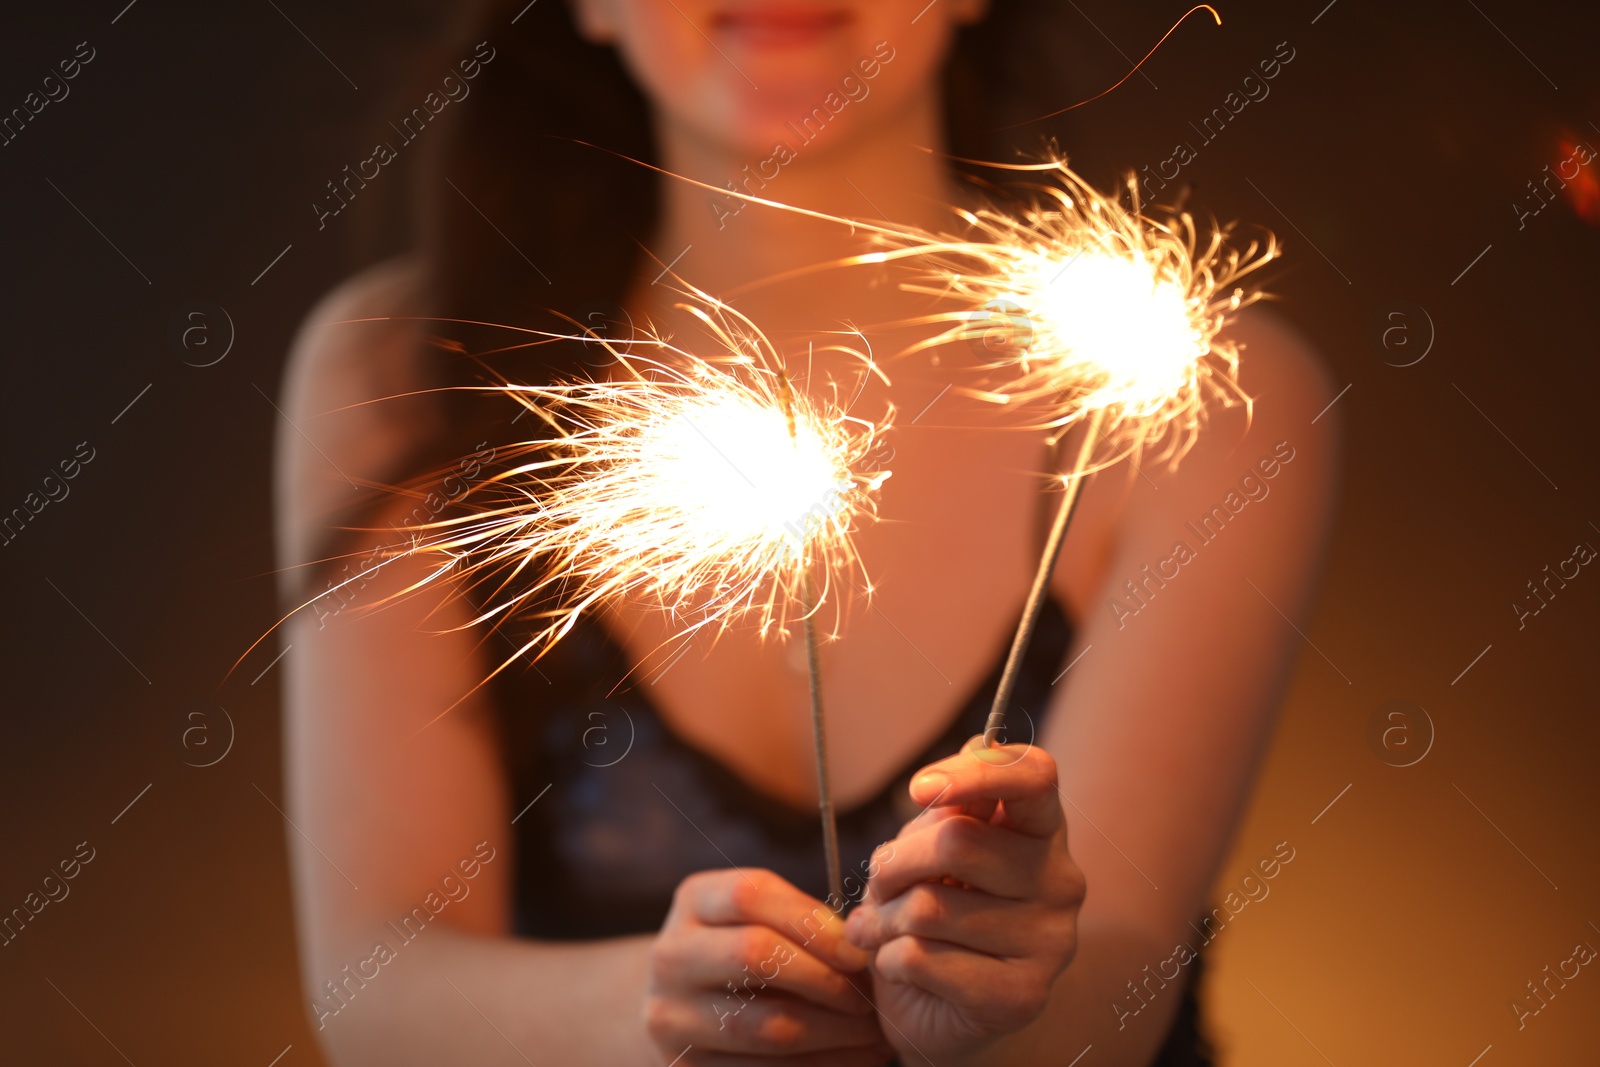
{"x":1082,"y":304}
{"x":1117,"y":325}
{"x":728,"y":464}
{"x":711,"y":488}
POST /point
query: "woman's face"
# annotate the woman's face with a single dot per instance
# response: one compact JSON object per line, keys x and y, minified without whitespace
{"x":747,"y":75}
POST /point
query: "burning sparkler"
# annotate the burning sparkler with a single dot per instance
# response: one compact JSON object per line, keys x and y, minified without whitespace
{"x":710,"y":488}
{"x":1108,"y":314}
{"x":1085,"y":305}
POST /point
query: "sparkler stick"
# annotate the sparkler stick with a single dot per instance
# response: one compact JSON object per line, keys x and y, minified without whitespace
{"x":819,"y":729}
{"x":819,"y":737}
{"x":1119,"y":312}
{"x":1072,"y":483}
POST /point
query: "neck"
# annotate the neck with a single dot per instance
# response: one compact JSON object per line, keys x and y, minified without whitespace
{"x":892,"y":169}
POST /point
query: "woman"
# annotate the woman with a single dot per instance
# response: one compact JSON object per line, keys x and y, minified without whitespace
{"x":496,"y":885}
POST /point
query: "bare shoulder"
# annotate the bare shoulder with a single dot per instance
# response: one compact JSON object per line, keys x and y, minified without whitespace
{"x":349,"y":399}
{"x":356,"y":343}
{"x":1290,"y":391}
{"x":1292,"y":410}
{"x":1290,"y":413}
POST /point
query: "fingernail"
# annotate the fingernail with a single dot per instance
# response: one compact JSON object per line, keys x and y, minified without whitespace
{"x":851,"y":947}
{"x":931,"y":783}
{"x":851,"y":957}
{"x":995,"y":754}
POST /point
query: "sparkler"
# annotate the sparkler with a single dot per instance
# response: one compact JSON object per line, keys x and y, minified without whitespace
{"x":710,"y":488}
{"x":1108,"y":314}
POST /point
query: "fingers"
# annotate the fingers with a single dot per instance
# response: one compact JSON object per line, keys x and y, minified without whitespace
{"x":747,"y":968}
{"x":975,"y":853}
{"x":762,"y":1024}
{"x":757,"y":957}
{"x":1022,"y":778}
{"x":972,"y":920}
{"x":835,"y":1058}
{"x":761,"y":898}
{"x":995,"y":995}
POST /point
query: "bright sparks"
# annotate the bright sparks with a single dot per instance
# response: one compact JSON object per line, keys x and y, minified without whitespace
{"x":1090,"y":306}
{"x":711,"y":488}
{"x":1127,"y":331}
{"x":727,"y":464}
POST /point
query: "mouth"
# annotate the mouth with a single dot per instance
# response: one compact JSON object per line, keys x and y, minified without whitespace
{"x":778,"y":25}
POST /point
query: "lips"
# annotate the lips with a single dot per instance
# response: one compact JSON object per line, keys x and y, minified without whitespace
{"x":778,"y":25}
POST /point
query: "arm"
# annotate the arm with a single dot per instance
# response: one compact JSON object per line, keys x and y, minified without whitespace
{"x":394,"y":805}
{"x":1156,"y":741}
{"x":401,"y":850}
{"x":387,"y":804}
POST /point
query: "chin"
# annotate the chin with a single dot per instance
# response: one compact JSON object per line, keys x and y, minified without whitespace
{"x":805,"y":103}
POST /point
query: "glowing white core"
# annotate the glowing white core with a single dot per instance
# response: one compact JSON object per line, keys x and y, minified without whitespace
{"x":729,"y":467}
{"x":1129,"y":331}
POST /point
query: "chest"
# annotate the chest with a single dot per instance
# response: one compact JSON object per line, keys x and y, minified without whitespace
{"x":948,"y":561}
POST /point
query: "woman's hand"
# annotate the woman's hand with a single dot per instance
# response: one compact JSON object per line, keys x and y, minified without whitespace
{"x":973,"y":911}
{"x":747,"y":968}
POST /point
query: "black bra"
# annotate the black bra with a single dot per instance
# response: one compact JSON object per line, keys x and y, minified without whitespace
{"x":626,"y":808}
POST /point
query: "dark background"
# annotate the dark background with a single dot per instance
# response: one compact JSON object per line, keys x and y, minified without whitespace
{"x":1387,"y":157}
